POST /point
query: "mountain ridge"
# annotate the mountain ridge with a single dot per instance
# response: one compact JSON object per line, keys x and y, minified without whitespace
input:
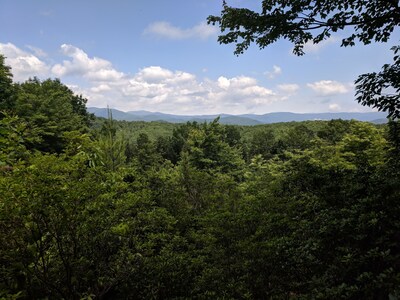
{"x":243,"y":119}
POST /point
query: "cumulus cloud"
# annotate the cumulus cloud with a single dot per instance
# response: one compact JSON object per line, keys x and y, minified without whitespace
{"x":24,"y":64}
{"x":159,"y":89}
{"x":240,"y":91}
{"x":169,"y":31}
{"x":101,"y":88}
{"x":329,"y":87}
{"x":95,"y":68}
{"x":154,"y":74}
{"x":152,"y":88}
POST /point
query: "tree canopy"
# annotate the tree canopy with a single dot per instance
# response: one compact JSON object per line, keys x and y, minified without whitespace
{"x":50,"y":109}
{"x":303,"y":21}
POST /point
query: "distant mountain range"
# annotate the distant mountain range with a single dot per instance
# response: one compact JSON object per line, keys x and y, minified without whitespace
{"x":245,"y":119}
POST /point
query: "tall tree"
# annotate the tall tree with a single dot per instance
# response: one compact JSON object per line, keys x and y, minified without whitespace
{"x":50,"y":109}
{"x":145,"y":152}
{"x":6,"y":86}
{"x":301,"y":21}
{"x":207,"y":149}
{"x":111,"y":147}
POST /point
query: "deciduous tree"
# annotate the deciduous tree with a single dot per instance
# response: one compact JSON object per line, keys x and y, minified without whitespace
{"x":50,"y":109}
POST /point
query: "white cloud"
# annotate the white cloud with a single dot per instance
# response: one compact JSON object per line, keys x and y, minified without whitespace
{"x":329,"y":87}
{"x":242,"y":82}
{"x":242,"y":91}
{"x":154,"y":74}
{"x":275,"y":72}
{"x":158,"y":89}
{"x":166,"y":30}
{"x":310,"y":47}
{"x":100,"y":88}
{"x":289,"y":88}
{"x":223,"y":82}
{"x":24,"y":64}
{"x":334,"y":107}
{"x":95,"y":68}
{"x":104,"y":75}
{"x":152,"y":88}
{"x":181,"y":78}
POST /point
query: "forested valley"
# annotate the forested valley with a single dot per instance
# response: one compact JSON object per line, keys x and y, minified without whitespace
{"x":95,"y":208}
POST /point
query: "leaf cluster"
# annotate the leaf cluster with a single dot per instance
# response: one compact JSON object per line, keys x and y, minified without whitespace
{"x":303,"y":21}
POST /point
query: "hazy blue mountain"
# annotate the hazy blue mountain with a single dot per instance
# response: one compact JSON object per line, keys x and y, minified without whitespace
{"x":379,"y":121}
{"x":156,"y":116}
{"x":245,"y":119}
{"x":117,"y":114}
{"x":289,"y":117}
{"x":139,"y":113}
{"x":238,"y":120}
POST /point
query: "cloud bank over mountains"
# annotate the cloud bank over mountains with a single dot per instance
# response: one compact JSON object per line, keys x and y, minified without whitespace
{"x":160,"y":89}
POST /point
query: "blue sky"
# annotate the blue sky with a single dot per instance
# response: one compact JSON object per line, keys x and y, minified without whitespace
{"x":161,"y":56}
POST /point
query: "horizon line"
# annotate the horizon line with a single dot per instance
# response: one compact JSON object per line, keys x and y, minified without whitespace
{"x":219,"y":114}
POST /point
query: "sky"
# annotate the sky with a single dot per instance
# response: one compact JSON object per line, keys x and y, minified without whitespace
{"x":161,"y":56}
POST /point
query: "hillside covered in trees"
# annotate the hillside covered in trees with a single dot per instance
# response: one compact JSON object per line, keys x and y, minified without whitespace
{"x":104,"y":209}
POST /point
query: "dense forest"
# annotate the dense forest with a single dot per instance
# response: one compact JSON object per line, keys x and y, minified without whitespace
{"x":95,"y":208}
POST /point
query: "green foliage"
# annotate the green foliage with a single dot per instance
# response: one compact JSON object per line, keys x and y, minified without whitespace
{"x":145,"y":153}
{"x":178,"y":140}
{"x":334,"y":130}
{"x":13,"y":136}
{"x":78,"y":232}
{"x":132,"y":130}
{"x":197,"y":211}
{"x":50,"y":109}
{"x":7,"y":96}
{"x":206,"y":148}
{"x":41,"y":217}
{"x":319,"y":220}
{"x":303,"y":21}
{"x":263,"y":143}
{"x":331,"y":193}
{"x":299,"y":137}
{"x":111,"y":147}
{"x":382,"y":90}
